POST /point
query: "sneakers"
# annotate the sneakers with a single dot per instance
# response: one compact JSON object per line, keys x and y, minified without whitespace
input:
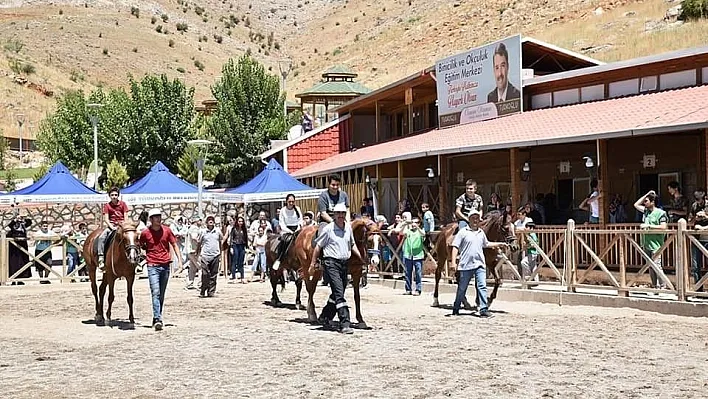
{"x":417,"y":293}
{"x":407,"y":293}
{"x":157,"y":325}
{"x":347,"y":330}
{"x":485,"y":315}
{"x":190,"y":286}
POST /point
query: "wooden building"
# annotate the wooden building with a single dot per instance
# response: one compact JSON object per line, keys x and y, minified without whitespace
{"x":634,"y":125}
{"x":336,"y":88}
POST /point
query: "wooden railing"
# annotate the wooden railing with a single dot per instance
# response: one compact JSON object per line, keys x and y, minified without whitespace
{"x":46,"y":269}
{"x":610,"y":257}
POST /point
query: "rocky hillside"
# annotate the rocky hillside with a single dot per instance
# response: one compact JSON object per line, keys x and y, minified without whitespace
{"x":49,"y":47}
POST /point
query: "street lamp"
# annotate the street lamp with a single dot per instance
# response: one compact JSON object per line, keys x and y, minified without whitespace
{"x":20,"y":122}
{"x":285,"y":66}
{"x":94,"y":122}
{"x":200,"y":168}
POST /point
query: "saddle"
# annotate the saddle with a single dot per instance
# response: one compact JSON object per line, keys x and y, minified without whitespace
{"x":109,"y":239}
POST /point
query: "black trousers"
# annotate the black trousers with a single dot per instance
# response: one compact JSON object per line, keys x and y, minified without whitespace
{"x":210,"y":272}
{"x":335,"y":270}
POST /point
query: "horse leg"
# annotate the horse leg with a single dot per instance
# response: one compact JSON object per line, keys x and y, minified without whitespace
{"x":311,"y":285}
{"x":98,"y":317}
{"x":438,"y":275}
{"x":101,"y":295}
{"x":111,"y":297}
{"x":130,"y":280}
{"x":298,"y":287}
{"x":274,"y":300}
{"x":356,"y":278}
{"x":497,"y":284}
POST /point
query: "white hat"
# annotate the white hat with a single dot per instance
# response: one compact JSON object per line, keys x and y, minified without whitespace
{"x":476,"y":212}
{"x":340,"y":207}
{"x":154,"y":212}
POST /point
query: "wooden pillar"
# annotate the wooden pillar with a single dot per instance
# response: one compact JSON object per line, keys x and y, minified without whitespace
{"x":410,"y":118}
{"x":444,"y":181}
{"x":602,"y":183}
{"x":704,"y":158}
{"x":515,"y":179}
{"x":326,"y":115}
{"x":378,"y":127}
{"x":377,"y":190}
{"x":400,"y":182}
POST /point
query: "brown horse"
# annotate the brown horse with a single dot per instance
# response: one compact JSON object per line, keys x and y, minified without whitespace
{"x":299,"y":257}
{"x":498,"y":226}
{"x":289,"y":263}
{"x":121,"y":257}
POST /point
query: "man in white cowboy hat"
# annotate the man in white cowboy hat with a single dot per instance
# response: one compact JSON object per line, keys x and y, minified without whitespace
{"x":470,"y":242}
{"x":336,"y":243}
{"x":157,"y":240}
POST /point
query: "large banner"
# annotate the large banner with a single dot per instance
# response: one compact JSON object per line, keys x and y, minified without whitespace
{"x":480,"y":84}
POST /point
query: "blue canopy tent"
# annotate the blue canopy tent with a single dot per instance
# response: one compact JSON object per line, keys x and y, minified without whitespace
{"x":160,"y":186}
{"x":57,"y":186}
{"x":272,"y":184}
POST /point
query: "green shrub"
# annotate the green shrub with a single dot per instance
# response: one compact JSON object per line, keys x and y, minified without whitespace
{"x":158,"y":29}
{"x":180,"y":70}
{"x":135,"y":11}
{"x":105,"y":51}
{"x":164,"y":17}
{"x":153,"y":20}
{"x":182,"y":26}
{"x":693,"y":9}
{"x":199,"y":65}
{"x":14,"y":46}
{"x":218,"y":38}
{"x":171,"y":43}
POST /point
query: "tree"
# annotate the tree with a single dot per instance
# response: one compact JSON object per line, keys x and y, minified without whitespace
{"x":249,"y":114}
{"x":186,"y":166}
{"x":116,"y":175}
{"x":41,"y":171}
{"x":3,"y":149}
{"x":10,"y":181}
{"x":150,"y":122}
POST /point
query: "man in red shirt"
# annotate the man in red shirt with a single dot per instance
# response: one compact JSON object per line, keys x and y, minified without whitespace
{"x":157,"y":241}
{"x":114,"y":213}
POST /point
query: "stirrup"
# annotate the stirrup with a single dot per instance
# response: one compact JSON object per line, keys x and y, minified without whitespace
{"x":101,"y":263}
{"x":276,"y":265}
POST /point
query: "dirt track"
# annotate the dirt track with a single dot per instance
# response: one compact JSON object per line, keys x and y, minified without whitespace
{"x":236,"y":346}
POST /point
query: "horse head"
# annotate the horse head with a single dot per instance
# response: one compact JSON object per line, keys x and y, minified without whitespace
{"x":499,"y":226}
{"x":127,"y":237}
{"x":365,"y":232}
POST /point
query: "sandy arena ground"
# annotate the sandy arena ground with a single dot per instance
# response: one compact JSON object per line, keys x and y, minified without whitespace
{"x":235,"y":346}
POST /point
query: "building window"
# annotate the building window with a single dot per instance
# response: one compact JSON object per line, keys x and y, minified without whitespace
{"x":705,"y":76}
{"x":649,"y":83}
{"x":678,"y":79}
{"x":565,"y":97}
{"x":418,"y":118}
{"x":592,"y":93}
{"x":541,"y":101}
{"x":433,"y":114}
{"x":624,"y":88}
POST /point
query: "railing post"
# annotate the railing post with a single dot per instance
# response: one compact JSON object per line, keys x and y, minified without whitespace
{"x":63,"y":257}
{"x":682,"y":275}
{"x":623,"y":291}
{"x":570,"y":256}
{"x":4,"y":263}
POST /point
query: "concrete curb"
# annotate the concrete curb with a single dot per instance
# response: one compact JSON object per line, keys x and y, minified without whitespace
{"x":688,"y":309}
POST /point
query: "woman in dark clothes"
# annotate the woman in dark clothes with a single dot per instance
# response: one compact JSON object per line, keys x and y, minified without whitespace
{"x":16,"y":257}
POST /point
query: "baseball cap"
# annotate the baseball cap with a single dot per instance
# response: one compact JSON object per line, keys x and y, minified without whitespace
{"x":340,"y":208}
{"x":154,"y":212}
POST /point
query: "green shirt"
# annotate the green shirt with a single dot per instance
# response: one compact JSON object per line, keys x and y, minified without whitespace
{"x":530,"y":249}
{"x":413,"y":245}
{"x":652,"y":242}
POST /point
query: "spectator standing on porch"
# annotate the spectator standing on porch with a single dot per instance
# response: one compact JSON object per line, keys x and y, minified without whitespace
{"x":677,"y":207}
{"x":654,"y":219}
{"x":699,"y":217}
{"x":428,"y":218}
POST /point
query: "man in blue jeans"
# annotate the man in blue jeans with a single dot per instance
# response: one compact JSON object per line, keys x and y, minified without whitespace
{"x":470,"y":242}
{"x":158,"y":240}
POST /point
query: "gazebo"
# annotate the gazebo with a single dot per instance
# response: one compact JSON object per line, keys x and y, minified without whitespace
{"x":338,"y":87}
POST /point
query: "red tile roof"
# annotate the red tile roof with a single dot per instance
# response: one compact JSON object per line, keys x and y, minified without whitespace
{"x":313,"y":149}
{"x":681,"y":109}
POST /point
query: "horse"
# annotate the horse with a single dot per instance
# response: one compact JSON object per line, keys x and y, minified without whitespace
{"x":121,"y":257}
{"x":299,"y":257}
{"x":288,"y":263}
{"x":498,"y":226}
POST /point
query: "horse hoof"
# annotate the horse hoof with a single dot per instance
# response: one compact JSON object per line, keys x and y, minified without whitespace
{"x":362,"y":325}
{"x":100,"y":321}
{"x":436,"y":304}
{"x":300,"y":306}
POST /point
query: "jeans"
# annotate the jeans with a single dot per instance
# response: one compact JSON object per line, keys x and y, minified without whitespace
{"x":259,"y":261}
{"x":697,"y":262}
{"x":656,"y":281}
{"x":210,"y":273}
{"x":337,"y":271}
{"x":158,"y":275}
{"x":72,"y":259}
{"x":594,"y":220}
{"x":237,"y":259}
{"x":480,"y":276}
{"x":418,"y":265}
{"x":528,"y":265}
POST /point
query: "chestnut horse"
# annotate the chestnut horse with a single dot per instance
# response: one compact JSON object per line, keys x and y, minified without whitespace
{"x":498,"y":226}
{"x":121,"y":257}
{"x":299,"y":256}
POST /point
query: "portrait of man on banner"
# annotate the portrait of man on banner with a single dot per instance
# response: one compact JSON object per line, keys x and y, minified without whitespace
{"x":504,"y":90}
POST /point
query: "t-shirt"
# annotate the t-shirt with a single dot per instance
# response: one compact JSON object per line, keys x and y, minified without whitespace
{"x":676,"y":204}
{"x":467,"y":204}
{"x":211,"y":243}
{"x":327,"y":201}
{"x":253,"y":228}
{"x":116,"y":213}
{"x":290,"y":219}
{"x":530,"y":249}
{"x":157,"y":245}
{"x":428,"y":221}
{"x":260,"y":242}
{"x":697,"y":207}
{"x":471,"y":244}
{"x":652,"y":242}
{"x":594,"y":204}
{"x":238,"y":237}
{"x":413,"y":245}
{"x":336,"y":242}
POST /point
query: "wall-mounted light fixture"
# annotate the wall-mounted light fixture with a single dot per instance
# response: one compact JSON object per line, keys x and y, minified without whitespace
{"x":430,"y":173}
{"x":525,"y":171}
